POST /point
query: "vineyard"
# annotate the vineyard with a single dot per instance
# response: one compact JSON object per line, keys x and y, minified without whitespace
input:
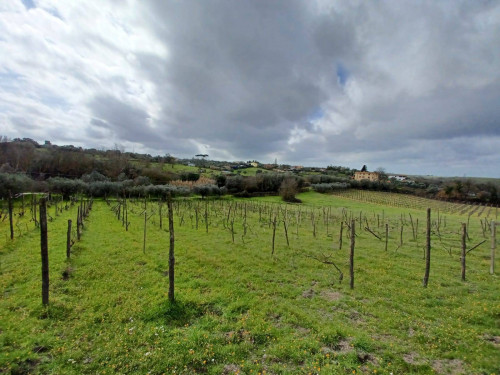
{"x":414,"y":202}
{"x":333,"y":285}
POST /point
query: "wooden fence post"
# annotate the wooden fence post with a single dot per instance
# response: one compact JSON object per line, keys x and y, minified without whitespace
{"x":44,"y":251}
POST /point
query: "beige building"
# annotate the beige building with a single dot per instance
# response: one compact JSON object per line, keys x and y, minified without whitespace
{"x":370,"y":176}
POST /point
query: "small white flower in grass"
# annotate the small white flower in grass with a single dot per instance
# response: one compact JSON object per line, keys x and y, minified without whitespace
{"x":147,"y":354}
{"x":71,"y":360}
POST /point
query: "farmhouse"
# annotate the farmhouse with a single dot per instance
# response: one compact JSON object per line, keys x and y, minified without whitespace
{"x":370,"y":176}
{"x":269,"y":166}
{"x":398,"y":177}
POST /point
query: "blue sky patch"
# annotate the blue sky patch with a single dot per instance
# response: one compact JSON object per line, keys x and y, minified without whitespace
{"x":9,"y":81}
{"x":316,"y":114}
{"x":54,"y":101}
{"x":342,"y":74}
{"x":28,"y":4}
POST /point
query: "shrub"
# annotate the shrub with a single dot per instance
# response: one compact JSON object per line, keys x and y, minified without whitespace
{"x":16,"y":183}
{"x":207,"y":190}
{"x":104,"y":188}
{"x":288,"y":189}
{"x":94,"y":176}
{"x":324,"y":179}
{"x":66,"y":186}
{"x":189,"y":176}
{"x":158,"y":176}
{"x":234,"y":184}
{"x":328,"y":188}
{"x":220,"y":180}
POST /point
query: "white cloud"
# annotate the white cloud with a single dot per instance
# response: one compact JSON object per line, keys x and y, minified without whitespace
{"x":244,"y":78}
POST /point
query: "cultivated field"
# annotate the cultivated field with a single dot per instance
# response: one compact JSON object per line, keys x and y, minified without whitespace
{"x":246,"y":306}
{"x":410,"y":201}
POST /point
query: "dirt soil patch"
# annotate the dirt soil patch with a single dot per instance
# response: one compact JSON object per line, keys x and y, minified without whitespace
{"x":448,"y":366}
{"x":308,"y":293}
{"x":231,"y":369}
{"x":330,"y":295}
{"x":413,"y":359}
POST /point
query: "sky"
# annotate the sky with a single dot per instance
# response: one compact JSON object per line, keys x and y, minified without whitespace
{"x":410,"y":86}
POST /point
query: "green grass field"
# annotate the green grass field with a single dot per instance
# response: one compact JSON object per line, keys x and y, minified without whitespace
{"x":240,"y":309}
{"x":252,"y":171}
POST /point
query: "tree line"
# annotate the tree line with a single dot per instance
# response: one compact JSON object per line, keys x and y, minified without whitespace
{"x":26,"y":165}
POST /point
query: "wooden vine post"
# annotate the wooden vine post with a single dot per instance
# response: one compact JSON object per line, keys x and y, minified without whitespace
{"x":386,"y":235}
{"x":232,"y":229}
{"x":161,"y":221}
{"x":78,"y":224}
{"x":126,"y":216}
{"x":145,"y":222}
{"x":427,"y":249}
{"x":340,"y":235}
{"x":171,"y":254}
{"x":286,"y":233}
{"x":464,"y":252}
{"x":34,"y":203}
{"x":493,"y":243}
{"x":44,"y":251}
{"x":351,"y":256}
{"x":68,"y":240}
{"x":10,"y":216}
{"x":206,"y":217}
{"x":274,"y":235}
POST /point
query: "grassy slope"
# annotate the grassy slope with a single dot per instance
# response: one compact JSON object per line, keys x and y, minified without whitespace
{"x":251,"y":171}
{"x":239,"y":309}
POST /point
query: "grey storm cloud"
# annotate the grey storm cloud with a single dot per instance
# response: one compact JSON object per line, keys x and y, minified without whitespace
{"x":128,"y":122}
{"x":411,"y":86}
{"x":234,"y":68}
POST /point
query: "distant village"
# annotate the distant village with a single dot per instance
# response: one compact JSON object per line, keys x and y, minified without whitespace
{"x":233,"y":167}
{"x":38,"y":163}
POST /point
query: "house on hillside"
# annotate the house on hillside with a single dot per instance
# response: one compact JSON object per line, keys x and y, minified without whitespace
{"x":370,"y":176}
{"x":399,"y":177}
